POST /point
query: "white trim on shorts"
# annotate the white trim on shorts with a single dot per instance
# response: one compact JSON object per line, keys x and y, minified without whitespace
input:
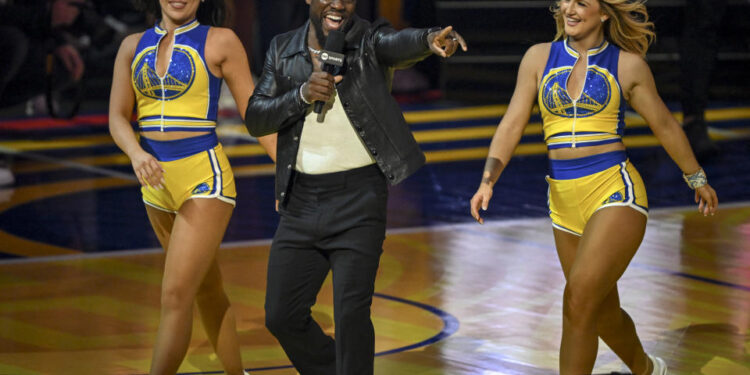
{"x":158,"y":207}
{"x":218,"y":182}
{"x":629,"y":190}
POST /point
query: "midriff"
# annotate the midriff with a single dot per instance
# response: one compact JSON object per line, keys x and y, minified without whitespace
{"x":171,"y":136}
{"x":579,"y":152}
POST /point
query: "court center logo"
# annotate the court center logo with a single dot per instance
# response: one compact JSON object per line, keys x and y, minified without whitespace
{"x":177,"y":81}
{"x":596,"y":94}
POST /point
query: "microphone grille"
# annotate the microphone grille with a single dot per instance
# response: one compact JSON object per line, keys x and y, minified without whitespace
{"x":335,"y":41}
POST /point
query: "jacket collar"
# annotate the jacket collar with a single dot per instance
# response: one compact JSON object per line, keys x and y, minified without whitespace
{"x":298,"y":43}
{"x":356,"y":32}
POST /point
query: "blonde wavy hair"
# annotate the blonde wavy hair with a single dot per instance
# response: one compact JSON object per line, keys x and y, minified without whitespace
{"x":628,"y":25}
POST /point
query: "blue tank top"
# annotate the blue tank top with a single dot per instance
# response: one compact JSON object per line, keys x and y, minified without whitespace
{"x":597,"y":116}
{"x":186,"y":98}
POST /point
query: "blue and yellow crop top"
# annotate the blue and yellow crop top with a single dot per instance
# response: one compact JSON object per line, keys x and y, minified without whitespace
{"x":597,"y":116}
{"x":186,"y":98}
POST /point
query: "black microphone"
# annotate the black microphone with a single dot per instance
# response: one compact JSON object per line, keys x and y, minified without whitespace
{"x":332,"y":57}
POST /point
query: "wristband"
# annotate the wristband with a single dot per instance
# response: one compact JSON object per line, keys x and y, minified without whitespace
{"x":696,"y":180}
{"x":302,"y":97}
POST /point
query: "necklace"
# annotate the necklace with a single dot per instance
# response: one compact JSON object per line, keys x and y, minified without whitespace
{"x":313,"y":50}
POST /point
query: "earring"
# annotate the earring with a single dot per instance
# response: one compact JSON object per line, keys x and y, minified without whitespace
{"x":603,"y":19}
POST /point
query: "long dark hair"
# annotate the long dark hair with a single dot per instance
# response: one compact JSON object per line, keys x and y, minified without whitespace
{"x":210,"y":12}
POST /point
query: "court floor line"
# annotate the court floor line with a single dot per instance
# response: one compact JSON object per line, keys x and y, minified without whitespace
{"x":23,"y":148}
{"x":67,"y":163}
{"x":265,"y":169}
{"x":450,"y":326}
{"x":685,"y":275}
{"x":393,"y":231}
{"x":632,"y":120}
{"x":466,"y":227}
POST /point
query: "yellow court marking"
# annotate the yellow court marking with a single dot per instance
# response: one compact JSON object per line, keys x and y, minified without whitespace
{"x":244,"y":150}
{"x":455,"y":114}
{"x":724,"y":114}
{"x":28,"y":248}
{"x":102,"y":317}
{"x":117,"y":268}
{"x":58,"y":143}
{"x":632,"y":120}
{"x":505,"y":295}
{"x":437,"y":156}
{"x":254,"y":170}
{"x":95,"y":304}
{"x":233,"y":151}
{"x":476,"y":153}
{"x":103,"y":160}
{"x":412,"y":117}
{"x":9,"y":369}
{"x":30,"y":193}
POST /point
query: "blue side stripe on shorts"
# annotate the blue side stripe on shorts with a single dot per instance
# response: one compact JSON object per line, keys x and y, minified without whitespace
{"x":629,"y":192}
{"x":216,"y":168}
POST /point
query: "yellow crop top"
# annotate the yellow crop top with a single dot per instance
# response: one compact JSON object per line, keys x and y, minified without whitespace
{"x":186,"y":98}
{"x":594,"y":118}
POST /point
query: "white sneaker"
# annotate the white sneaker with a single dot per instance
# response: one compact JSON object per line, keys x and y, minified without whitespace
{"x":660,"y":367}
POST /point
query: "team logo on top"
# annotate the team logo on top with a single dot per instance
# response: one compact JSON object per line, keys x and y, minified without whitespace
{"x":595,"y":97}
{"x":177,"y":81}
{"x":201,"y":188}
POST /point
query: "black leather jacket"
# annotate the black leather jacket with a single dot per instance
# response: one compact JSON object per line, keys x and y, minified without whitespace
{"x":372,"y":52}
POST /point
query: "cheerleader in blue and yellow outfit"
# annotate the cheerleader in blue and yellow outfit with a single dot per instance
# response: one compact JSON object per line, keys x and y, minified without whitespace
{"x":172,"y":75}
{"x":597,"y":200}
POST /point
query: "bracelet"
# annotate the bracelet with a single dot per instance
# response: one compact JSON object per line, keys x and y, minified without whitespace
{"x":302,"y":97}
{"x":696,"y":180}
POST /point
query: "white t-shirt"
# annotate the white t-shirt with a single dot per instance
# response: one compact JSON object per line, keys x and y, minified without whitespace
{"x":331,"y":145}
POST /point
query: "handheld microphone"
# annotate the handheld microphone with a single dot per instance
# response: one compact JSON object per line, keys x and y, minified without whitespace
{"x":332,"y":57}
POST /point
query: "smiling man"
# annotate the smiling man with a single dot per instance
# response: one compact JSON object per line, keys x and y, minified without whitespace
{"x":332,"y":173}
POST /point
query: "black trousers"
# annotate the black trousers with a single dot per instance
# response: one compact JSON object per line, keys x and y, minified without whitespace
{"x":333,"y":222}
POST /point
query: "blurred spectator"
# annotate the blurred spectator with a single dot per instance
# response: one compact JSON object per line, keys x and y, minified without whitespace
{"x":426,"y":74}
{"x":274,"y":17}
{"x":33,"y":29}
{"x":698,"y":50}
{"x":30,"y":30}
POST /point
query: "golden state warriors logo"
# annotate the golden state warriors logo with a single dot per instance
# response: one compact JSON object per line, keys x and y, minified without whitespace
{"x":614,"y":198}
{"x":177,"y":81}
{"x":594,"y":98}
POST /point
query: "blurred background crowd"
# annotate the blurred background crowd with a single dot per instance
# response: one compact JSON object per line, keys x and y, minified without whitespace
{"x":57,"y":55}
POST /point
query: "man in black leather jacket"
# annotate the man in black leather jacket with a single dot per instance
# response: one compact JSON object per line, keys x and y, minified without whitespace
{"x":332,"y":173}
